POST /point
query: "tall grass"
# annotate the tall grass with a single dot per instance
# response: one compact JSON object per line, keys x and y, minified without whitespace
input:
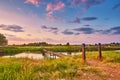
{"x":66,"y":68}
{"x":107,"y":56}
{"x":47,"y":69}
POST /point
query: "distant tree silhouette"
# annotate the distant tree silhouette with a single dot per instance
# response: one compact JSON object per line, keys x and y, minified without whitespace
{"x":3,"y":40}
{"x":37,"y":44}
{"x":67,"y":44}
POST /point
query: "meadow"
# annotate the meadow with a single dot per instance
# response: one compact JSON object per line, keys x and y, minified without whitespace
{"x":65,"y":68}
{"x":11,"y":50}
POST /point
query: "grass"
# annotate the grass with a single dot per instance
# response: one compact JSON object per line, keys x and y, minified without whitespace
{"x":66,"y":68}
{"x":11,"y":50}
{"x":48,"y":69}
{"x":108,"y":56}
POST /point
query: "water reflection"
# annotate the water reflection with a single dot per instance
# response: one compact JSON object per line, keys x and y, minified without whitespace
{"x":38,"y":56}
{"x":26,"y":55}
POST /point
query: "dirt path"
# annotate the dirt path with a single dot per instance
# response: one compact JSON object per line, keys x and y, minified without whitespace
{"x":112,"y":70}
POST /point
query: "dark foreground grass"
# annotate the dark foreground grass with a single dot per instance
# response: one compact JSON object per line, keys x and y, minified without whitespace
{"x":66,"y":68}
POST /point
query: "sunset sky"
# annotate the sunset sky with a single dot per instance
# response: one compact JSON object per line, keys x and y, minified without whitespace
{"x":60,"y":21}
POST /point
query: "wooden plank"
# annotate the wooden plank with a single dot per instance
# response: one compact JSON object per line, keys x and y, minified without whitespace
{"x":53,"y":54}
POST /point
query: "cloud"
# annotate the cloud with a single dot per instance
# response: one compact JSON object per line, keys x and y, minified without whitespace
{"x":44,"y":27}
{"x":67,"y":32}
{"x":50,"y":16}
{"x":76,"y":20}
{"x":54,"y":30}
{"x":89,"y":18}
{"x":13,"y":28}
{"x":85,"y":30}
{"x":86,"y":25}
{"x":86,"y":4}
{"x":49,"y":28}
{"x":117,"y":6}
{"x":53,"y":7}
{"x":76,"y":33}
{"x":111,"y":31}
{"x":34,"y":2}
{"x":114,"y":31}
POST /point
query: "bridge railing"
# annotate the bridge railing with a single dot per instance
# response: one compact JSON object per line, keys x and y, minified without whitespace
{"x":44,"y":52}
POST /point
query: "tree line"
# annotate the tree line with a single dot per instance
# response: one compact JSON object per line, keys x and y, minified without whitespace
{"x":4,"y":41}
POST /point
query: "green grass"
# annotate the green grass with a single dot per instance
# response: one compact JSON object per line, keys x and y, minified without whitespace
{"x":67,"y":68}
{"x":47,"y":69}
{"x":11,"y":50}
{"x":107,"y":56}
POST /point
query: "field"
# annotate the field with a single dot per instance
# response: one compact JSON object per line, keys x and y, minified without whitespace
{"x":11,"y":50}
{"x":65,"y":68}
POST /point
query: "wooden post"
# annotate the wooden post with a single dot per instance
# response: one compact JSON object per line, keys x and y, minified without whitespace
{"x":55,"y":56}
{"x":100,"y":52}
{"x":83,"y":52}
{"x":43,"y":52}
{"x":50,"y":55}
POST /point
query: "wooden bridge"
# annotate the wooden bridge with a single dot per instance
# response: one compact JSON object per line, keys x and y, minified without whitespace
{"x":45,"y":52}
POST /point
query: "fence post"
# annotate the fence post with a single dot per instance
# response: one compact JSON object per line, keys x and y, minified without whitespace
{"x":100,"y":52}
{"x":55,"y":56}
{"x":43,"y":52}
{"x":83,"y":52}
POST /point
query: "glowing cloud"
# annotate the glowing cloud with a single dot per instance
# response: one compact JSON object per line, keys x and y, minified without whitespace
{"x":34,"y":2}
{"x":55,"y":7}
{"x":52,"y":7}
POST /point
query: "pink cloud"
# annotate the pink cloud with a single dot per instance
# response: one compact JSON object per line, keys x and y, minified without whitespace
{"x":52,"y":7}
{"x":34,"y":2}
{"x":85,"y":4}
{"x":50,"y":16}
{"x":55,"y":7}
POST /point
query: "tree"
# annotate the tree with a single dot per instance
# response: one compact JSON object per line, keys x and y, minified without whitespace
{"x":3,"y":40}
{"x":67,"y":44}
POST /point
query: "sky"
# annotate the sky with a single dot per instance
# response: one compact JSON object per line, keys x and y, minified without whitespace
{"x":60,"y":21}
